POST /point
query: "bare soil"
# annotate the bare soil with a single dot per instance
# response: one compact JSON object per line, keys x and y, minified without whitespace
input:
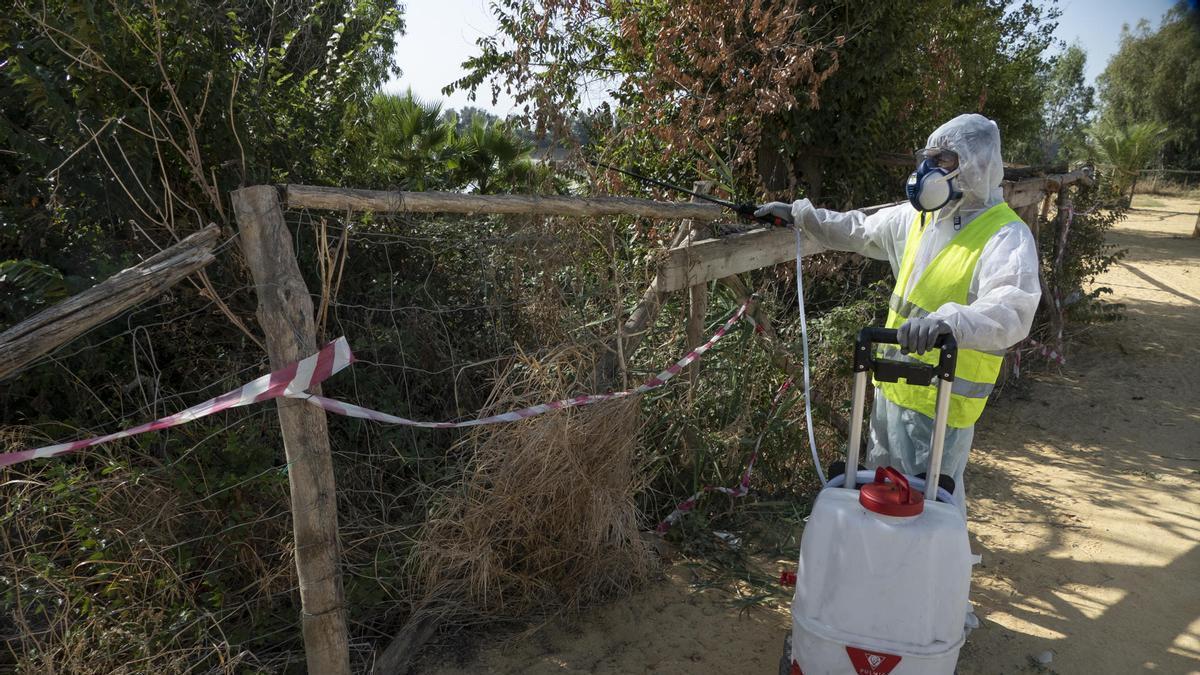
{"x":1084,"y":501}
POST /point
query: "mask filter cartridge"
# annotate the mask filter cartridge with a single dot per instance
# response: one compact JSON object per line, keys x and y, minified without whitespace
{"x":931,"y":187}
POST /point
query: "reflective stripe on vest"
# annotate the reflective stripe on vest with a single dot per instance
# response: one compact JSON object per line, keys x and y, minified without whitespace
{"x":947,"y":278}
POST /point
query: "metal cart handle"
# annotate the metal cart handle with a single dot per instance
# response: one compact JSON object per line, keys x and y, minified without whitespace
{"x":912,"y":372}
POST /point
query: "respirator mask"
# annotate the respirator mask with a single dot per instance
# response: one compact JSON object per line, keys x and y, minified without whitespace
{"x":931,"y":186}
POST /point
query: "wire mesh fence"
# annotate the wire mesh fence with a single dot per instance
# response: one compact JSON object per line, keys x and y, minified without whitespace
{"x":174,"y":550}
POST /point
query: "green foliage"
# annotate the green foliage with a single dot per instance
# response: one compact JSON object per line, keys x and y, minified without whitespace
{"x":1071,"y":264}
{"x":403,"y":142}
{"x":124,"y":127}
{"x":1155,"y":78}
{"x":167,"y":567}
{"x":895,"y":85}
{"x":870,"y":82}
{"x":126,"y":124}
{"x":491,"y":156}
{"x":1127,"y":150}
{"x":404,"y":138}
{"x":170,"y":551}
{"x":26,"y":285}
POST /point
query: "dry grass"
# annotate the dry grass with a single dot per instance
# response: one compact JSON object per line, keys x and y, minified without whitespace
{"x":113,"y":572}
{"x":544,"y":515}
{"x":1170,"y":187}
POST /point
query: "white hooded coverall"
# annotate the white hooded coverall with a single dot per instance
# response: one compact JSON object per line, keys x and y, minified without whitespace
{"x":1002,"y":297}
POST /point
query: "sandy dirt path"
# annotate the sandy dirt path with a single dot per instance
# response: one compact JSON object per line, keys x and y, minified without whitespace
{"x":1084,"y":495}
{"x":1086,"y":487}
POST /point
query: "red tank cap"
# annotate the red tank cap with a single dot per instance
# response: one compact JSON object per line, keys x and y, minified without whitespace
{"x":890,"y":495}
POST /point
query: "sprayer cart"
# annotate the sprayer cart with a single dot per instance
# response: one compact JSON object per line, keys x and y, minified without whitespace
{"x":884,"y":570}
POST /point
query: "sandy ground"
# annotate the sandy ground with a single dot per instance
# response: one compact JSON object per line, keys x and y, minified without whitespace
{"x":1084,"y":495}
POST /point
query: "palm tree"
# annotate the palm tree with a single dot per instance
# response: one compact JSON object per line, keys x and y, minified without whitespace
{"x":1128,"y":149}
{"x":404,"y":142}
{"x":410,"y":142}
{"x":492,"y":156}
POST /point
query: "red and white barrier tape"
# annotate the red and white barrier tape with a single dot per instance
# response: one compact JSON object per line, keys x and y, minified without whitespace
{"x":351,"y":410}
{"x":743,"y":486}
{"x":293,"y":381}
{"x":287,"y":381}
{"x":1048,"y":352}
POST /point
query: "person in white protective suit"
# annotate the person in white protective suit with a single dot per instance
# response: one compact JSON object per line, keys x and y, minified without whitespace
{"x":965,"y":264}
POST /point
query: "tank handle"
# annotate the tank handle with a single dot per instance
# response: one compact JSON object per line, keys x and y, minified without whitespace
{"x":897,"y":478}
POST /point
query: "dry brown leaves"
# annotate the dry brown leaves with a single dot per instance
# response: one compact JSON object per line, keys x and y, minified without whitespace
{"x":719,"y":67}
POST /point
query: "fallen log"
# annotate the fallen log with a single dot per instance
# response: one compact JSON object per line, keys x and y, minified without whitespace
{"x":55,"y":326}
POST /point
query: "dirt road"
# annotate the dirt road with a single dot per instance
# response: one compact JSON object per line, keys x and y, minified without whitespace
{"x":1086,"y":490}
{"x":1084,"y":499}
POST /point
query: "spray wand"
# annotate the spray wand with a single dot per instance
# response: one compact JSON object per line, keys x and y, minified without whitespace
{"x":743,"y":210}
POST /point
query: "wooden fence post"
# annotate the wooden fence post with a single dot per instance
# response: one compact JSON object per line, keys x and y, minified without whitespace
{"x":285,"y":312}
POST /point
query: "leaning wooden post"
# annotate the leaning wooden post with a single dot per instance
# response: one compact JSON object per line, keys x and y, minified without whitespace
{"x":641,"y":320}
{"x":285,"y":313}
{"x":697,"y":293}
{"x":1196,"y":230}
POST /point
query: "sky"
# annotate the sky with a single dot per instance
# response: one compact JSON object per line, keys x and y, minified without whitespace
{"x":1096,"y":25}
{"x":441,"y":34}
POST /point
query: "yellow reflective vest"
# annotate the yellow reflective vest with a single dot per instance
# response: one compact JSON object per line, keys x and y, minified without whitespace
{"x":946,"y":279}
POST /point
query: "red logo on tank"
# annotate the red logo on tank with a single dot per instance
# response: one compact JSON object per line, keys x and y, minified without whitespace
{"x":872,"y":663}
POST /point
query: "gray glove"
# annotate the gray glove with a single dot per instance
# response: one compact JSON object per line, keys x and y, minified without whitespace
{"x":775,"y":210}
{"x":918,"y":335}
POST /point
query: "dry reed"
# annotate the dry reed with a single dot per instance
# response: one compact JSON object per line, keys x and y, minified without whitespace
{"x":544,"y":516}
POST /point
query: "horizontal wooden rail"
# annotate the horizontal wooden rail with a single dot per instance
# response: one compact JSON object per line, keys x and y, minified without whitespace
{"x":1023,"y":193}
{"x":344,"y":199}
{"x":702,"y":261}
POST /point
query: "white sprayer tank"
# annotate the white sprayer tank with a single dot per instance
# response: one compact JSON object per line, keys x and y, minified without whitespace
{"x":882,"y":583}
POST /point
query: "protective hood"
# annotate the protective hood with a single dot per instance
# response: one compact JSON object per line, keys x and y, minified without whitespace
{"x":976,"y":140}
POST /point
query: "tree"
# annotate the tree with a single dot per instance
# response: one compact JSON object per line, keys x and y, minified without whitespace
{"x":126,"y":123}
{"x":403,"y":142}
{"x":492,"y":156}
{"x":1067,"y":107}
{"x":698,"y":84}
{"x":1155,"y":77}
{"x":408,"y":142}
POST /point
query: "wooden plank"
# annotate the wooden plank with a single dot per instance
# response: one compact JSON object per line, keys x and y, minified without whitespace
{"x":55,"y":326}
{"x":702,"y":261}
{"x":1058,"y":181}
{"x":285,"y":313}
{"x":1021,"y":194}
{"x":344,"y":199}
